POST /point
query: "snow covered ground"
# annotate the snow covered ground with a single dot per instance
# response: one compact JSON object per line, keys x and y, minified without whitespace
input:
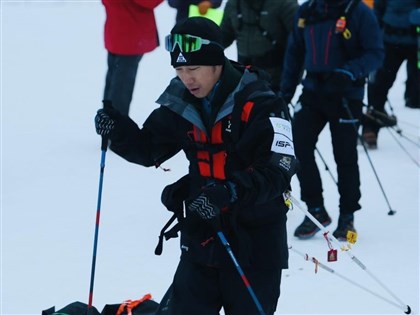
{"x":53,"y":66}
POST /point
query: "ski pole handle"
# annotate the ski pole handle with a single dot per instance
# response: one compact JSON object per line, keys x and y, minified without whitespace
{"x":104,"y":143}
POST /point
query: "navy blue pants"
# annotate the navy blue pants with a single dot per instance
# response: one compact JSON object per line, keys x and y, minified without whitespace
{"x":202,"y":290}
{"x":308,"y":122}
{"x":120,"y":80}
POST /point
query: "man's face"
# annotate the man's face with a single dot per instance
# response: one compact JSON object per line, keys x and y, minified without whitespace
{"x":199,"y":80}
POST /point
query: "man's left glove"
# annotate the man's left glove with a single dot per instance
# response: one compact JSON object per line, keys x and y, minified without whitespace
{"x":203,"y":7}
{"x":173,"y":195}
{"x":210,"y":203}
{"x":105,"y":119}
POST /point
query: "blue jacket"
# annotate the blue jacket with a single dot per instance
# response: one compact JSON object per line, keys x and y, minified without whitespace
{"x":393,"y":16}
{"x":320,"y":50}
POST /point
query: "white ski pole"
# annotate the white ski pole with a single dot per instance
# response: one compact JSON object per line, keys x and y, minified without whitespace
{"x":404,"y":307}
{"x":330,"y":270}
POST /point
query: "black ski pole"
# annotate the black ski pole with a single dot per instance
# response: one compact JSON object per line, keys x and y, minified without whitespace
{"x":400,"y":132}
{"x":403,"y":148}
{"x":241,"y":273}
{"x":326,"y":165}
{"x":104,"y":146}
{"x":346,"y":106}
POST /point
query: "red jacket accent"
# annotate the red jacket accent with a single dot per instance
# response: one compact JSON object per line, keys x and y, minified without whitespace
{"x":130,"y":26}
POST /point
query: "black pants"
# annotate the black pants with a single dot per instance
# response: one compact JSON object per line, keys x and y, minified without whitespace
{"x":202,"y":290}
{"x":382,"y":80}
{"x":308,"y":122}
{"x":120,"y":80}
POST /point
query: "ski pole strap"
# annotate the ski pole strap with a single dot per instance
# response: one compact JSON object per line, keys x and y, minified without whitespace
{"x":173,"y":232}
{"x":129,"y":305}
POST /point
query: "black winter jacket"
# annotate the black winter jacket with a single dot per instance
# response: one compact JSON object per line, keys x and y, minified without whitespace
{"x":257,"y":157}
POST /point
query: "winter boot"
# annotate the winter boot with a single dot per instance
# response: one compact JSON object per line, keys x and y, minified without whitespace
{"x":370,"y":138}
{"x":380,"y":118}
{"x":307,"y":228}
{"x":345,"y":224}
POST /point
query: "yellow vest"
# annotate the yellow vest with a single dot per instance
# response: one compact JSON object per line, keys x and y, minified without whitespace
{"x":369,"y":3}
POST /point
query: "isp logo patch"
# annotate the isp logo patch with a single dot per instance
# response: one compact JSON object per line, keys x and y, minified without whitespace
{"x":283,"y":138}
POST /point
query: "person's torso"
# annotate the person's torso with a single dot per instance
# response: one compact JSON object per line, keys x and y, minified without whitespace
{"x":130,"y":29}
{"x":258,"y":27}
{"x":214,"y":154}
{"x":326,"y":48}
{"x":396,"y":22}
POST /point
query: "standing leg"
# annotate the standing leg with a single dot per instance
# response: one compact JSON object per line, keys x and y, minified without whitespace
{"x":196,"y":290}
{"x":378,"y":87}
{"x":237,"y":301}
{"x":120,"y":80}
{"x":308,"y":122}
{"x":412,"y":92}
{"x":344,"y":136}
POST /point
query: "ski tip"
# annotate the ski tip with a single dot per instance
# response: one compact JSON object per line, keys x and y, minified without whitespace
{"x":408,"y":311}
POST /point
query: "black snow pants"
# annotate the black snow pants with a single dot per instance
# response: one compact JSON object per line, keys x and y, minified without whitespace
{"x":312,"y":113}
{"x":203,"y":290}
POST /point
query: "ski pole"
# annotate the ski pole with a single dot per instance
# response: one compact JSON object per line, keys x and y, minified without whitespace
{"x":399,"y":131}
{"x":104,"y":146}
{"x":326,"y":165}
{"x":406,"y":308}
{"x":346,"y":106}
{"x":317,"y":263}
{"x":404,"y":149}
{"x":241,"y":273}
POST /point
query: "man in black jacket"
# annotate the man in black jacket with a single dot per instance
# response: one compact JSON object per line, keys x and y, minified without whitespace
{"x":237,"y":137}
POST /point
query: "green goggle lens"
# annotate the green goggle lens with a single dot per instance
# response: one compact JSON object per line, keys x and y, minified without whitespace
{"x":186,"y":43}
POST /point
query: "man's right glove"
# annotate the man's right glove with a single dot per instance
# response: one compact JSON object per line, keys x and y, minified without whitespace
{"x":210,"y":203}
{"x":105,"y":119}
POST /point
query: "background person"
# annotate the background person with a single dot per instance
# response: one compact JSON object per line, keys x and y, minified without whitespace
{"x":337,"y":61}
{"x":260,"y":29}
{"x":130,"y":31}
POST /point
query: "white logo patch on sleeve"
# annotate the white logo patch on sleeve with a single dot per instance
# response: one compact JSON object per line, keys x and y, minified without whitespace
{"x":283,"y":138}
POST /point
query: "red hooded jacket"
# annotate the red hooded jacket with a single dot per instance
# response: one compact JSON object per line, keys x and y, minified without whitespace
{"x":130,"y":26}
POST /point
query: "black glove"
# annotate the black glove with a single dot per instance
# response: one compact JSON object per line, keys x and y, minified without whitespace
{"x":105,"y":119}
{"x":338,"y":82}
{"x":173,"y":195}
{"x":210,"y":202}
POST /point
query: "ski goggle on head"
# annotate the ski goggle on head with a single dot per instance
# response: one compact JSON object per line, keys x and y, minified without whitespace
{"x":186,"y":43}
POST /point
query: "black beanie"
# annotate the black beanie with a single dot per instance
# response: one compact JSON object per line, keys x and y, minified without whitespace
{"x":208,"y":55}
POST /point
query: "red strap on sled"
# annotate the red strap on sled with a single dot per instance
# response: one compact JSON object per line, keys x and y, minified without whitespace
{"x":129,"y":305}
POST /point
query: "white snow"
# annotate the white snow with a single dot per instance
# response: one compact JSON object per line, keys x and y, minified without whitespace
{"x":53,"y":66}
